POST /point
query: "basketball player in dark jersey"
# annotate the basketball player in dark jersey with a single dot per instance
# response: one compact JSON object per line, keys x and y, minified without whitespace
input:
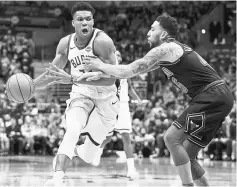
{"x":211,"y":99}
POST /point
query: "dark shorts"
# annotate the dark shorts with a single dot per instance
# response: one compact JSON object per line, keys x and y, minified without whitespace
{"x":205,"y":114}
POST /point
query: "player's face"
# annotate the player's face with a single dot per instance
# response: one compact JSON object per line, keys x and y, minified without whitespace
{"x":83,"y":23}
{"x":119,"y":56}
{"x":156,"y":34}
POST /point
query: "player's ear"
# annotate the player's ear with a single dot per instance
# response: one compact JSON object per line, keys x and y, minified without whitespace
{"x":73,"y":23}
{"x":163,"y":35}
{"x":93,"y":22}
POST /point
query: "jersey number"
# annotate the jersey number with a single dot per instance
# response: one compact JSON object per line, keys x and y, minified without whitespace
{"x":169,"y":75}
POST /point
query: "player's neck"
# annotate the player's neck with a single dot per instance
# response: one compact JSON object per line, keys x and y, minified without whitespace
{"x":82,"y":41}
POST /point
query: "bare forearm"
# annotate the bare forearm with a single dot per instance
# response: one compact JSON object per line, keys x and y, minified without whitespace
{"x":156,"y":66}
{"x":127,"y":71}
{"x":100,"y":82}
{"x":118,"y":71}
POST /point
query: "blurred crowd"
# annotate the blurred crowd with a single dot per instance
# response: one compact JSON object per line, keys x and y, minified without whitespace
{"x":33,"y":128}
{"x":16,"y":52}
{"x":38,"y":127}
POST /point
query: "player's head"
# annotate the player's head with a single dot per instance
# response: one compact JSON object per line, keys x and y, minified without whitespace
{"x":163,"y":27}
{"x":83,"y":22}
{"x":119,"y":56}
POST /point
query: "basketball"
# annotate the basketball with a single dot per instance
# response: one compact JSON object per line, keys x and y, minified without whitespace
{"x":20,"y":88}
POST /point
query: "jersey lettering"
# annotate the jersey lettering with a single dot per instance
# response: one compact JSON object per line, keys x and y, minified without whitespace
{"x":179,"y":85}
{"x":78,"y":60}
{"x":169,"y":74}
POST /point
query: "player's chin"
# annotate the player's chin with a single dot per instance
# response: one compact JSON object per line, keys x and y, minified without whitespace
{"x":149,"y":43}
{"x":84,"y":34}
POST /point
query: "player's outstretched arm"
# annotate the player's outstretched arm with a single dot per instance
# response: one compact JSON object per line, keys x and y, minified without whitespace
{"x":59,"y":60}
{"x":164,"y":52}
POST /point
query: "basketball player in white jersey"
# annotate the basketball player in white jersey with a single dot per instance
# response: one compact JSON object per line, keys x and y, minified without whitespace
{"x":123,"y":125}
{"x":98,"y":95}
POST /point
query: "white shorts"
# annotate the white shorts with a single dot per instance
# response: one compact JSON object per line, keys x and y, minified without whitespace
{"x":124,"y":124}
{"x":102,"y":115}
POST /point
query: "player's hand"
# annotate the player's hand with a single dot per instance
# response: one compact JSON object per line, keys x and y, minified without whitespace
{"x":92,"y":63}
{"x":90,"y":76}
{"x":58,"y":75}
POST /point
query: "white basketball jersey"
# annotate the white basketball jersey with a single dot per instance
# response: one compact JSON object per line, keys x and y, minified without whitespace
{"x":123,"y":95}
{"x":75,"y":57}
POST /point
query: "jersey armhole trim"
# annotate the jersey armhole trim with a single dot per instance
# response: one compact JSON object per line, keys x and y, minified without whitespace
{"x":167,"y":63}
{"x":68,"y":44}
{"x":93,"y":48}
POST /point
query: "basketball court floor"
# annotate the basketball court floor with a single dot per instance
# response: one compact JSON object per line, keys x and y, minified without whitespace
{"x":21,"y":171}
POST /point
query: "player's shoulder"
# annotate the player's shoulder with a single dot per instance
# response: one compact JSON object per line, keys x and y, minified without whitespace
{"x":171,"y":46}
{"x":103,"y":39}
{"x":63,"y":44}
{"x":64,"y":40}
{"x":103,"y":45}
{"x":173,"y":49}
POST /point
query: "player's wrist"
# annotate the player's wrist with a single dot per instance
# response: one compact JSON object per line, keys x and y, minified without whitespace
{"x":102,"y":66}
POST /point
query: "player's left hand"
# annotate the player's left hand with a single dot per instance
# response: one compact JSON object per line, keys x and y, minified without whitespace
{"x":92,"y":63}
{"x":58,"y":75}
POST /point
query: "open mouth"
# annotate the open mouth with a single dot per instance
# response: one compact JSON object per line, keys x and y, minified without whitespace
{"x":85,"y":31}
{"x":149,"y":42}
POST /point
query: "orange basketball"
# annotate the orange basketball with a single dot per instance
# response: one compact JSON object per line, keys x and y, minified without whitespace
{"x":20,"y":88}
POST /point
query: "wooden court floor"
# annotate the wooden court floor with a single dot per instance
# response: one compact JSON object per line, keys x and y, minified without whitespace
{"x":21,"y":171}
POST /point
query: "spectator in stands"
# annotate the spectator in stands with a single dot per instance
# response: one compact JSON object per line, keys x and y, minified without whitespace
{"x":28,"y":131}
{"x":145,"y":142}
{"x":40,"y":136}
{"x":230,"y":127}
{"x":58,"y":140}
{"x":163,"y":151}
{"x":13,"y":130}
{"x":215,"y":31}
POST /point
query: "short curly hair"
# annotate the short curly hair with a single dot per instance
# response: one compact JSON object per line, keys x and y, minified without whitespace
{"x":170,"y":24}
{"x":82,"y":6}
